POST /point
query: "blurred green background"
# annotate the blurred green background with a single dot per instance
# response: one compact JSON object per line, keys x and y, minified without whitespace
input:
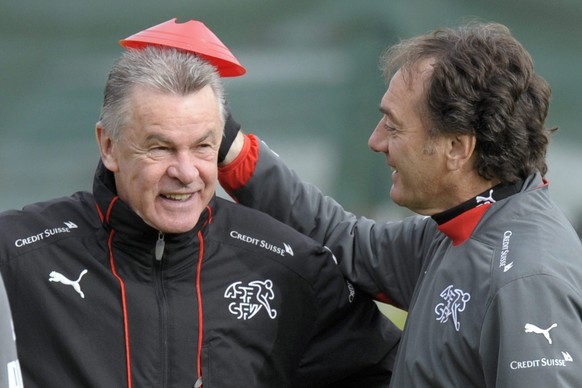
{"x":312,"y":89}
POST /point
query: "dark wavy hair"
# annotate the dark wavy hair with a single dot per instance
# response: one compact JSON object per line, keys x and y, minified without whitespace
{"x":483,"y":83}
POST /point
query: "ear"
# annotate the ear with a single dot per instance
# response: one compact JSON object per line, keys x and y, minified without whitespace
{"x":106,"y":148}
{"x":460,"y":150}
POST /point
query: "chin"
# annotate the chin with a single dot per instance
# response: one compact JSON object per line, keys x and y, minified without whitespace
{"x":399,"y":200}
{"x":394,"y":196}
{"x":174,"y":227}
{"x":176,"y":221}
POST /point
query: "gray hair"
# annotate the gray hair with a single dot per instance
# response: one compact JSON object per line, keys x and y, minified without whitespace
{"x":166,"y":70}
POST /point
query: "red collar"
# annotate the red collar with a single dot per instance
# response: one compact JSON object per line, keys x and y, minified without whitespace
{"x":460,"y":228}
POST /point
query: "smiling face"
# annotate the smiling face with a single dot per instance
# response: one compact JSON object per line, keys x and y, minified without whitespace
{"x":165,"y":161}
{"x":420,"y":175}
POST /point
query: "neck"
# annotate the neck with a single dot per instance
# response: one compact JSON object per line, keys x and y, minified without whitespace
{"x":490,"y":195}
{"x":460,"y":189}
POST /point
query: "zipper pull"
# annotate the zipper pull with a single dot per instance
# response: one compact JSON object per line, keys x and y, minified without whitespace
{"x":160,"y":245}
{"x":198,"y":382}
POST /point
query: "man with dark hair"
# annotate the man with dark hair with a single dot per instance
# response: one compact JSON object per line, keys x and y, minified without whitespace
{"x":153,"y":281}
{"x":490,"y":271}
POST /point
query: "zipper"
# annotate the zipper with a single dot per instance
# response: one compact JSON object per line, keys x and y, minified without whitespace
{"x":160,"y":246}
{"x":162,"y":305}
{"x":161,"y":296}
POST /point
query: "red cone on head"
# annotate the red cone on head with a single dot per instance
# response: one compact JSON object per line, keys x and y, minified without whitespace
{"x":191,"y":36}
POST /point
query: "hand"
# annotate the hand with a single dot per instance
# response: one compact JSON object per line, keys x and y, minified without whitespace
{"x":231,"y":130}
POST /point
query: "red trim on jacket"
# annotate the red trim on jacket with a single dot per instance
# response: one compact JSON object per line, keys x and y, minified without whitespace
{"x":383,"y":298}
{"x":122,"y":288}
{"x":199,"y":297}
{"x":236,"y":174}
{"x":99,"y":213}
{"x":460,"y":228}
{"x":200,"y":309}
{"x":123,"y":308}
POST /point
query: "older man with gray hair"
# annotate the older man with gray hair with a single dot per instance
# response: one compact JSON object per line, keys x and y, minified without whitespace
{"x":151,"y":280}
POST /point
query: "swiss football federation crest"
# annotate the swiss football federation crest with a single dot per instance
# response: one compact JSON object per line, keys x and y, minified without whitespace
{"x":249,"y":299}
{"x":455,"y":302}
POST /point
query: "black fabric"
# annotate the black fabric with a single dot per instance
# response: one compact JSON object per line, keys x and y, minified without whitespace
{"x":494,"y":194}
{"x":315,"y":331}
{"x":231,"y":129}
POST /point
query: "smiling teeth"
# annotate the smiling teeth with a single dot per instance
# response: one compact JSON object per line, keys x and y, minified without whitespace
{"x":177,"y":197}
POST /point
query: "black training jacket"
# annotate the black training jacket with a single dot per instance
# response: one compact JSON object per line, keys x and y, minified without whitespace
{"x":240,"y":301}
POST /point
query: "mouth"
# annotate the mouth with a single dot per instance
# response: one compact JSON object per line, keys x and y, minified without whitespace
{"x":176,"y":197}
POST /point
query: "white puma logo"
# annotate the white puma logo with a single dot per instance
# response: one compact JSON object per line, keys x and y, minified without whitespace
{"x":529,"y":328}
{"x":59,"y":278}
{"x":489,"y":199}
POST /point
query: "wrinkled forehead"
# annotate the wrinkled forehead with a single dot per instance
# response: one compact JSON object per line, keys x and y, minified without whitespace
{"x":140,"y":92}
{"x":161,"y":108}
{"x":407,"y":91}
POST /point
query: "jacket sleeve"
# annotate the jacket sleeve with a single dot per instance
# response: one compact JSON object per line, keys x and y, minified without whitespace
{"x":531,"y":335}
{"x":352,"y":342}
{"x":383,"y":259}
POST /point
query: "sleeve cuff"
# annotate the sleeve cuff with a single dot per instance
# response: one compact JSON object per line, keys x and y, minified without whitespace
{"x":236,"y":174}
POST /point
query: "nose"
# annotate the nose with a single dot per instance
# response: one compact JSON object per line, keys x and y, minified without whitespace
{"x":377,"y":142}
{"x":183,"y":168}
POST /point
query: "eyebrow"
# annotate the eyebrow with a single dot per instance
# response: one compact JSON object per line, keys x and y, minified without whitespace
{"x":158,"y":137}
{"x":388,"y":112}
{"x":207,"y":135}
{"x":155,"y":137}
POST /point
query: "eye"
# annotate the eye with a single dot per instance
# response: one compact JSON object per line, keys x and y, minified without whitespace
{"x":204,"y":150}
{"x":203,"y":147}
{"x":158,"y":150}
{"x":390,"y":128}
